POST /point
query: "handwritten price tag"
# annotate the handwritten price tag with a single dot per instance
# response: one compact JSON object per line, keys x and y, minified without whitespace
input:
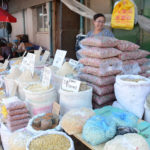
{"x":59,"y":58}
{"x":71,"y":85}
{"x":45,"y":56}
{"x":30,"y":62}
{"x":73,"y":63}
{"x":46,"y":77}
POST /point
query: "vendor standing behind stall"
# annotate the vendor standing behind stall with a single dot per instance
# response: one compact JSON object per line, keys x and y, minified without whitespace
{"x":99,"y":30}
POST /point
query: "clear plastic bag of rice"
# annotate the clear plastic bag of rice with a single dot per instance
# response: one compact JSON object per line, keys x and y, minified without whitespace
{"x":130,"y":141}
{"x":74,"y":120}
{"x":52,"y":140}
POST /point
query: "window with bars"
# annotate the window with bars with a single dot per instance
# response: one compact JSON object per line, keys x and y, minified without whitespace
{"x":42,"y":18}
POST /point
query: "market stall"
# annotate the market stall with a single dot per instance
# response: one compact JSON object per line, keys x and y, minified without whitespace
{"x":44,"y":98}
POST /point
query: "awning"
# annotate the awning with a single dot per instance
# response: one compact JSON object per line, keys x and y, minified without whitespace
{"x":84,"y":11}
{"x":79,"y":8}
{"x":6,"y":17}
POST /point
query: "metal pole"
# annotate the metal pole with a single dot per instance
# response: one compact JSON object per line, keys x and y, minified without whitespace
{"x":23,"y":14}
{"x":51,"y":28}
{"x":81,"y":20}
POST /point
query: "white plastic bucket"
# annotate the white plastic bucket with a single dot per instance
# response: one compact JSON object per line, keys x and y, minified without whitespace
{"x":52,"y":132}
{"x":20,"y":89}
{"x":72,"y":100}
{"x":40,"y":102}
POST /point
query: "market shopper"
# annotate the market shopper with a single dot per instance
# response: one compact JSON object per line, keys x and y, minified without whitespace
{"x":99,"y":30}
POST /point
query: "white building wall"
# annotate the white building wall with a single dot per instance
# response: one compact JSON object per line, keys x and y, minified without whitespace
{"x":38,"y":38}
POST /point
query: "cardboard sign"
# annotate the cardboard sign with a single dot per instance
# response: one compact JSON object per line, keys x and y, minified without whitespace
{"x":71,"y":85}
{"x":45,"y":56}
{"x":59,"y":58}
{"x":5,"y":65}
{"x":46,"y":77}
{"x":56,"y":108}
{"x":73,"y":63}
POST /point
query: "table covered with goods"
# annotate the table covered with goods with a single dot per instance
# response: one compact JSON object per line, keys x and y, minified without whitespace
{"x":103,"y":99}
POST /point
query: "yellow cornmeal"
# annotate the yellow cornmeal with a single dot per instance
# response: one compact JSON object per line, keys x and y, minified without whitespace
{"x":38,"y":88}
{"x":50,"y":142}
{"x":4,"y":111}
{"x":133,"y":80}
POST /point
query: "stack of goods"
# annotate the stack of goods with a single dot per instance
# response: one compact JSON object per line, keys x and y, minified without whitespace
{"x":133,"y":58}
{"x":15,"y":113}
{"x":101,"y":67}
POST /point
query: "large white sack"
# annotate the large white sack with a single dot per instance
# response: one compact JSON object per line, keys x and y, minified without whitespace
{"x":131,"y":92}
{"x":73,"y":100}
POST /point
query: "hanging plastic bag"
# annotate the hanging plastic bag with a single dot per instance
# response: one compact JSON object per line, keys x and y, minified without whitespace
{"x":123,"y":15}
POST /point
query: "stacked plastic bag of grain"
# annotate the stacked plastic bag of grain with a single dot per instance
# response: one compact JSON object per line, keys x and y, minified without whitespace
{"x":134,"y":61}
{"x":101,"y":65}
{"x":14,"y":113}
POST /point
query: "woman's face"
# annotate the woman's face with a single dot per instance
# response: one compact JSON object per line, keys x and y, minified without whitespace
{"x":99,"y":23}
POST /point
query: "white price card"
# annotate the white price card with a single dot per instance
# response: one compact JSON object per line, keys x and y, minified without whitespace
{"x":73,"y":63}
{"x":45,"y":56}
{"x":46,"y":77}
{"x":24,"y":62}
{"x":31,"y":62}
{"x":5,"y":65}
{"x":71,"y":85}
{"x":37,"y":55}
{"x":59,"y":58}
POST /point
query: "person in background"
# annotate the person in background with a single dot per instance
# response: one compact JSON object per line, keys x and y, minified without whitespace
{"x":99,"y":30}
{"x":6,"y":51}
